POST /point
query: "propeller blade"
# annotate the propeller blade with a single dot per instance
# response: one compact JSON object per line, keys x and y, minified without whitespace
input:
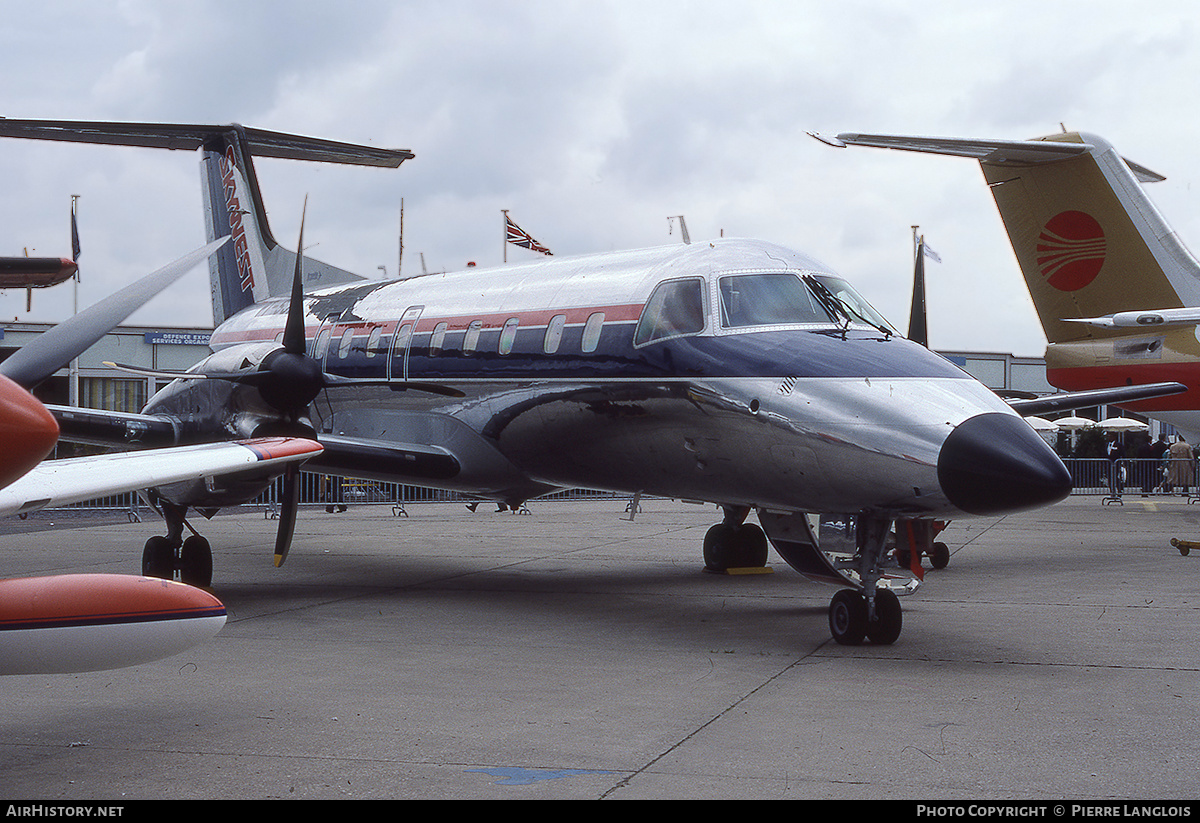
{"x":288,"y":506}
{"x":33,"y":363}
{"x":293,"y":332}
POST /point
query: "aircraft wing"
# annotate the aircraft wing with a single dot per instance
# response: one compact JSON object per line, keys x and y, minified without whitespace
{"x":1158,"y":318}
{"x":1094,"y":397}
{"x":73,"y":480}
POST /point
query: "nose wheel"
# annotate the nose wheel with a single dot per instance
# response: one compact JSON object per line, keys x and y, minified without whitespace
{"x":853,"y":618}
{"x":871,"y":612}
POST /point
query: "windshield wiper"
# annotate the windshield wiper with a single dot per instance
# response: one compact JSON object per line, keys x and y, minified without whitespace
{"x":835,"y":306}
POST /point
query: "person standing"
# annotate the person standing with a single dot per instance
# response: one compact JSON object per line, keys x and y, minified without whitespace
{"x":1115,"y":452}
{"x":1183,"y":465}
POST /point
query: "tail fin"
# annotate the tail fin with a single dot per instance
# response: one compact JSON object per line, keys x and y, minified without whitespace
{"x":1089,"y":242}
{"x":253,"y":267}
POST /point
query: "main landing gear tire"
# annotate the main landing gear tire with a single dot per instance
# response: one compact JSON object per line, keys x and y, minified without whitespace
{"x":158,"y":558}
{"x":734,"y":547}
{"x":194,"y":561}
{"x":884,"y":630}
{"x":849,"y":623}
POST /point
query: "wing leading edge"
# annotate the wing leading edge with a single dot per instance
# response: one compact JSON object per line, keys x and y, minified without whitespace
{"x":73,"y":480}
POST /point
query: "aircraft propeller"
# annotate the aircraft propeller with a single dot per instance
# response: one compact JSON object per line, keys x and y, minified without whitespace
{"x":289,"y":379}
{"x":34,"y":362}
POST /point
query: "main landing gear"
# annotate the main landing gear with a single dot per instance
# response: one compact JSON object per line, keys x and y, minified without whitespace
{"x":163,"y":556}
{"x":734,"y":543}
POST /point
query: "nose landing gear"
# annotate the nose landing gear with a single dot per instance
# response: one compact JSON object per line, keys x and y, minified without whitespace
{"x":853,"y":617}
{"x":866,"y":607}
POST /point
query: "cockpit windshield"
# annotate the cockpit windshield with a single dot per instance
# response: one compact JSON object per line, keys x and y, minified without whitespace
{"x":674,"y":309}
{"x":677,"y":307}
{"x":767,"y":300}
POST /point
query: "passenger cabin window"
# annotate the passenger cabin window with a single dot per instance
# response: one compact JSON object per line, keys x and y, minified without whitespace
{"x":373,"y":341}
{"x":554,"y":332}
{"x":508,"y":335}
{"x":344,"y":348}
{"x":591,"y":331}
{"x":437,"y":339}
{"x":321,"y":344}
{"x":471,"y":338}
{"x":675,"y":308}
{"x":400,"y":345}
{"x":767,"y":299}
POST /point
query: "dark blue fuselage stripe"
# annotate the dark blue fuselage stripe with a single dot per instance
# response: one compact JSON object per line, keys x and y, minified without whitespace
{"x":784,"y":353}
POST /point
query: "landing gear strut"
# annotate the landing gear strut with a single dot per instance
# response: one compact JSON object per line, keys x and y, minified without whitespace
{"x":162,"y":556}
{"x":734,"y":543}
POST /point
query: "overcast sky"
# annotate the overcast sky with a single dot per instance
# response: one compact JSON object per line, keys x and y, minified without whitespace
{"x":592,"y":122}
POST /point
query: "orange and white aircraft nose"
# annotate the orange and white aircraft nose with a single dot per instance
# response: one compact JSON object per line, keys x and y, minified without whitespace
{"x":27,"y":431}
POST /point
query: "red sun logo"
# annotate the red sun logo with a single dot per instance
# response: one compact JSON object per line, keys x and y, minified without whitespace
{"x":1070,"y":250}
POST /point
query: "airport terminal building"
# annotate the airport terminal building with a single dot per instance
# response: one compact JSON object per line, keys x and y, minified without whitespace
{"x":93,"y":383}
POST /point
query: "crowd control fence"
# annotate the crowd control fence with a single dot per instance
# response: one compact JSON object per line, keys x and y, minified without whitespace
{"x":1090,"y":476}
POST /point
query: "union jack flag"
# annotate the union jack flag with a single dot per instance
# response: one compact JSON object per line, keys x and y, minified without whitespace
{"x":519,"y":237}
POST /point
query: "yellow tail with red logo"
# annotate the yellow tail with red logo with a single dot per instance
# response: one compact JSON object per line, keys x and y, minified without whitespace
{"x":1117,"y":292}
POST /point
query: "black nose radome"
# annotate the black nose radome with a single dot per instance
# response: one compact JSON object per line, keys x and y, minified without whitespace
{"x":995,"y":463}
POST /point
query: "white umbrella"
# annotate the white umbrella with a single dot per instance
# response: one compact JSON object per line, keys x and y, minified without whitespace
{"x":1123,"y":424}
{"x":1046,"y":429}
{"x":1074,"y":423}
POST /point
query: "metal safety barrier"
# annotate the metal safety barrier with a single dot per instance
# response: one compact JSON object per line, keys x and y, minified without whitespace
{"x":1132,"y":476}
{"x":331,"y":490}
{"x":1089,"y":476}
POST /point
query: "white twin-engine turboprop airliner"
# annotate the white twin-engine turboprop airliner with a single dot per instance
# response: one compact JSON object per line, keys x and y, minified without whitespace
{"x":733,"y":371}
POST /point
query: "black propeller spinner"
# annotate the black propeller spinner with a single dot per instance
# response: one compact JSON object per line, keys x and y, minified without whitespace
{"x":289,"y":378}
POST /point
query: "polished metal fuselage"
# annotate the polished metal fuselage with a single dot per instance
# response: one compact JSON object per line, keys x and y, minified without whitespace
{"x":809,"y":417}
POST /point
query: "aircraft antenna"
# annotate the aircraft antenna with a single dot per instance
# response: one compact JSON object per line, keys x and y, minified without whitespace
{"x":682,"y":228}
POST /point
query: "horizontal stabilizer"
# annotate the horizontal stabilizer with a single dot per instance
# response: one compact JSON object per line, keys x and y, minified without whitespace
{"x":35,"y":272}
{"x":93,"y":622}
{"x":1022,"y":152}
{"x":178,"y":136}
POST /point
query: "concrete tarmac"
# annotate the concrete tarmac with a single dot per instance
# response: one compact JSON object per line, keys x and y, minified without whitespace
{"x":572,"y":654}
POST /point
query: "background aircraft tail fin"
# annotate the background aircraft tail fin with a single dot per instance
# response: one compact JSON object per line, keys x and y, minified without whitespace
{"x":253,"y":266}
{"x":1087,"y":238}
